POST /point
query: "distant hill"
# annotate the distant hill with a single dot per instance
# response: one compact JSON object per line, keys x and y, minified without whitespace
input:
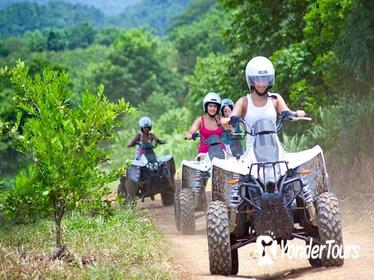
{"x":109,"y":7}
{"x":17,"y":17}
{"x":156,"y":14}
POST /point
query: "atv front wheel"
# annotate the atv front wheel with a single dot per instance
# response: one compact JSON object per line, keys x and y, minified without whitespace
{"x":222,"y":260}
{"x":187,"y":212}
{"x":329,"y":233}
{"x":131,"y":191}
{"x":121,"y":190}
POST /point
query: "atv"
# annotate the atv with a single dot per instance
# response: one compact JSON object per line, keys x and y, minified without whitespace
{"x":148,"y":176}
{"x":190,"y":195}
{"x":270,"y":192}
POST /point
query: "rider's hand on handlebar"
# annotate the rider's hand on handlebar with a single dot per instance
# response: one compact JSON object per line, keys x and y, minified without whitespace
{"x":293,"y":115}
{"x":300,"y":113}
{"x":188,"y":136}
{"x":234,"y":120}
{"x":225,"y":122}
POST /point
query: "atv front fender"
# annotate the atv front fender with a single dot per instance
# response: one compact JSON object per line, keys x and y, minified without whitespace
{"x":133,"y":173}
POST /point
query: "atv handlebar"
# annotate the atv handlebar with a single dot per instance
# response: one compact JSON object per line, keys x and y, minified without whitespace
{"x":285,"y":115}
{"x":194,"y":136}
{"x":160,"y":142}
{"x":291,"y":116}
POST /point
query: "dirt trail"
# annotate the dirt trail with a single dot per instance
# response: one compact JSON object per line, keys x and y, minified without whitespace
{"x":190,"y":252}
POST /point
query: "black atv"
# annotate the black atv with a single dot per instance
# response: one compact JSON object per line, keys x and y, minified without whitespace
{"x":281,"y":195}
{"x":148,"y":176}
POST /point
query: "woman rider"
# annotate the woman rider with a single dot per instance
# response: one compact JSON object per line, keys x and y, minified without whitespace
{"x":226,"y":109}
{"x":259,"y":103}
{"x":209,"y":123}
{"x":145,"y":136}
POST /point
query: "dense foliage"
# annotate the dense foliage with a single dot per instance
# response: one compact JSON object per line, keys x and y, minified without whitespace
{"x":309,"y":44}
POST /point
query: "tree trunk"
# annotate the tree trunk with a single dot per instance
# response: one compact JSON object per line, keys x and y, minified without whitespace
{"x":60,"y":209}
{"x":58,"y":217}
{"x":60,"y":250}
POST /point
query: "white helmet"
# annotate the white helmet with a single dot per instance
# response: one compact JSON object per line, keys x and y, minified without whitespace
{"x":260,"y":69}
{"x":211,"y":97}
{"x":145,"y":122}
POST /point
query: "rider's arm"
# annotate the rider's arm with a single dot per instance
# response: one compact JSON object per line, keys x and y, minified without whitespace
{"x":134,"y":141}
{"x":282,"y":106}
{"x":194,"y":128}
{"x":239,"y":110}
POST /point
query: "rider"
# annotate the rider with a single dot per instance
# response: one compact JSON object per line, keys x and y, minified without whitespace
{"x":145,"y":136}
{"x":209,"y":123}
{"x":259,"y":103}
{"x":226,"y":109}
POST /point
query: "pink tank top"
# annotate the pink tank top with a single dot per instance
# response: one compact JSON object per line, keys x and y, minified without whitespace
{"x":204,"y":135}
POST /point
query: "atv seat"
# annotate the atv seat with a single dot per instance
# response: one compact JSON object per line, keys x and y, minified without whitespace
{"x":215,"y":147}
{"x":149,"y":153}
{"x":265,"y":145}
{"x":236,"y":146}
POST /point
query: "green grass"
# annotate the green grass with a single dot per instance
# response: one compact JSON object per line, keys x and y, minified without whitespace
{"x":127,"y":246}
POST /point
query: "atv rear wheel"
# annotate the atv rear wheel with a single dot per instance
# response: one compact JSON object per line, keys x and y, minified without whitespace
{"x":167,"y":198}
{"x":208,"y":197}
{"x":177,"y":211}
{"x":177,"y":206}
{"x":204,"y":199}
{"x":234,"y":262}
{"x":187,"y":212}
{"x":222,"y":260}
{"x":330,"y":230}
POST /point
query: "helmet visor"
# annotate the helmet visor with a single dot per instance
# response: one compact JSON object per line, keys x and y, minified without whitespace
{"x":263,"y":80}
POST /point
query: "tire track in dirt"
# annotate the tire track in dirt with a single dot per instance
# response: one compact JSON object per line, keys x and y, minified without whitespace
{"x":190,"y":252}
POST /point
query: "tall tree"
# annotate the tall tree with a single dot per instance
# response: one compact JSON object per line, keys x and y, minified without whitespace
{"x":137,"y":67}
{"x":56,"y":40}
{"x":81,"y":36}
{"x":356,"y":44}
{"x":199,"y":39}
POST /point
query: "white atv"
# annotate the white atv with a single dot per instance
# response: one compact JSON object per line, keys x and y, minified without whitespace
{"x":190,"y":195}
{"x":272,"y":193}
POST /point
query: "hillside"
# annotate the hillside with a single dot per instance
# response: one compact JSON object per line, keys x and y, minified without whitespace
{"x":109,"y":7}
{"x":18,"y":18}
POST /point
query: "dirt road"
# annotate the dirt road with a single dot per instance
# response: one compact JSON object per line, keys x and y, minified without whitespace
{"x":190,"y":253}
